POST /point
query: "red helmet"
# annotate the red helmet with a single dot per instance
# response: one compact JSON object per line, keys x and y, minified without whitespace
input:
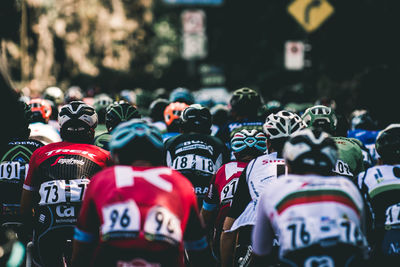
{"x":173,"y":112}
{"x":42,"y":107}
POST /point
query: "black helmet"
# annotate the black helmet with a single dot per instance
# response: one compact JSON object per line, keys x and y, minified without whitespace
{"x":77,"y":122}
{"x":362,"y":119}
{"x":311,"y":150}
{"x":157,"y":108}
{"x":388,"y":144}
{"x":219,"y":114}
{"x":245,"y":101}
{"x":196,"y":118}
{"x":118,"y":112}
{"x":136,"y":140}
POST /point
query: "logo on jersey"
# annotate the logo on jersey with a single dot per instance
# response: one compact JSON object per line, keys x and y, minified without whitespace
{"x":73,"y":151}
{"x":65,"y":211}
{"x":61,"y":160}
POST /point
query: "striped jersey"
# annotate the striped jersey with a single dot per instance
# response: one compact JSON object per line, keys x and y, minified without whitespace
{"x":305,"y":210}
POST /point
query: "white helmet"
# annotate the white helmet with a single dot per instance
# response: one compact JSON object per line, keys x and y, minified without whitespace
{"x":282,"y":124}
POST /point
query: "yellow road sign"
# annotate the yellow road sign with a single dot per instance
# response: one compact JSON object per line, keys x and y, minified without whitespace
{"x":310,"y":13}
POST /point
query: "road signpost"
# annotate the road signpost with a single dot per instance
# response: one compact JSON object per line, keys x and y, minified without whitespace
{"x":310,"y":14}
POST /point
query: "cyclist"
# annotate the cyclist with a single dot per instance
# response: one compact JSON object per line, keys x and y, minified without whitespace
{"x":117,"y":112}
{"x":156,"y":115}
{"x":247,"y":142}
{"x":55,"y":96}
{"x":100,"y":104}
{"x":57,"y":177}
{"x":219,"y":114}
{"x":350,"y":160}
{"x":73,"y":93}
{"x":257,"y":175}
{"x":181,"y":95}
{"x":172,"y":114}
{"x":365,"y":129}
{"x":14,"y":165}
{"x":195,"y":153}
{"x":39,"y":127}
{"x":317,"y":217}
{"x":244,"y":106}
{"x":139,"y":213}
{"x":380,"y":186}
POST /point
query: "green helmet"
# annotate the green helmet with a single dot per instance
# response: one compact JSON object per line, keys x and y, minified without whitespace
{"x":118,"y":112}
{"x":100,"y":104}
{"x":320,"y":116}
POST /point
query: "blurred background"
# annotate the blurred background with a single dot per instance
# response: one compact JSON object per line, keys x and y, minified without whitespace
{"x":294,"y":51}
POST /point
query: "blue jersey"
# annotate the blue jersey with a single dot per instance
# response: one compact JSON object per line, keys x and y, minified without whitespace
{"x":368,"y":139}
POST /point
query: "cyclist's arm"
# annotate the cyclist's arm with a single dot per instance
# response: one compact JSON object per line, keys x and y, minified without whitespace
{"x":263,"y":234}
{"x":210,"y":205}
{"x":26,"y":203}
{"x":227,"y":243}
{"x":86,"y":231}
{"x":239,"y":203}
{"x":195,"y":241}
{"x":241,"y":197}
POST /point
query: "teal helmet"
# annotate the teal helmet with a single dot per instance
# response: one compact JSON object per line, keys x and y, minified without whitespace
{"x":136,"y":135}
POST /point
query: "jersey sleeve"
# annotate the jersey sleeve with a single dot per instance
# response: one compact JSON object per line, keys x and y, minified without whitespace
{"x":87,"y":227}
{"x":211,"y":200}
{"x":262,"y":236}
{"x":29,"y":183}
{"x":241,"y":197}
{"x":195,"y":234}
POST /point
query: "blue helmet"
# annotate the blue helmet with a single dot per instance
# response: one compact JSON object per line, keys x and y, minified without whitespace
{"x":181,"y":95}
{"x":136,"y":140}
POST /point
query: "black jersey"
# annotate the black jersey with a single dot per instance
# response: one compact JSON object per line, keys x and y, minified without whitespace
{"x":14,"y":165}
{"x":196,"y":156}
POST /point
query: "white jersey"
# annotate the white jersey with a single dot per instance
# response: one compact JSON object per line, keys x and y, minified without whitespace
{"x":381,"y":187}
{"x":260,"y":172}
{"x":304,"y":210}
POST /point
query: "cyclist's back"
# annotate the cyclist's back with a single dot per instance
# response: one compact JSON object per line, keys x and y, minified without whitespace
{"x":58,"y":176}
{"x":138,"y":212}
{"x":317,"y":217}
{"x":195,"y":153}
{"x":380,"y":187}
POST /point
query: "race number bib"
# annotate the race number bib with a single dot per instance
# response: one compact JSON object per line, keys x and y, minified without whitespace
{"x":303,"y":233}
{"x":229,"y":190}
{"x":393,"y":215}
{"x":342,"y":168}
{"x":162,"y":225}
{"x":121,"y":220}
{"x":194,"y":162}
{"x":62,"y":191}
{"x":12,"y":170}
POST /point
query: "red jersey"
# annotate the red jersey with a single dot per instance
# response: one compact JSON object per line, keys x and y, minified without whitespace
{"x":222,"y":188}
{"x":58,"y":174}
{"x":140,"y":213}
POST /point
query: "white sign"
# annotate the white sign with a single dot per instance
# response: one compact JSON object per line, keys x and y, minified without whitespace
{"x":193,"y":21}
{"x":294,"y":55}
{"x":194,"y":46}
